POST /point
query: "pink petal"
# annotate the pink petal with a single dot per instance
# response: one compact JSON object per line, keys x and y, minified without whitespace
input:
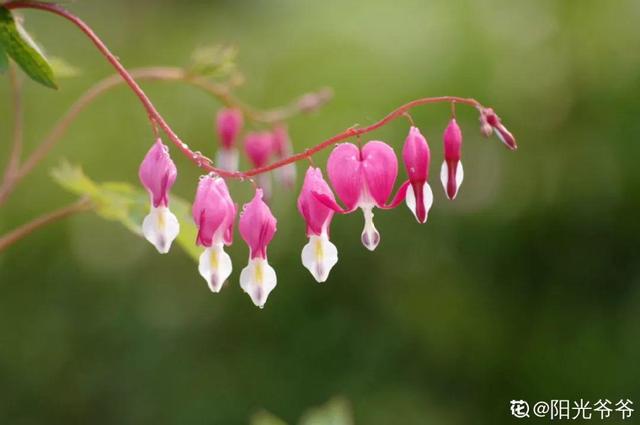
{"x":380,"y":169}
{"x":345,"y":173}
{"x":257,"y":225}
{"x":316,"y":214}
{"x":416,"y":156}
{"x":213,"y":211}
{"x":452,"y":141}
{"x":158,"y":173}
{"x":228,"y":126}
{"x":258,"y":147}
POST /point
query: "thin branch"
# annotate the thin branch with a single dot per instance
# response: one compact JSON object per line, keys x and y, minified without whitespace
{"x":26,"y":229}
{"x":198,"y":159}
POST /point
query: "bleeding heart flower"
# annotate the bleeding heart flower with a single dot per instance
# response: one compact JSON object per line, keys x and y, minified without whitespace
{"x":158,"y":173}
{"x":451,"y":173}
{"x":228,"y":126}
{"x":282,"y":148}
{"x":319,"y":255}
{"x":363,"y":179}
{"x":257,"y":227}
{"x":489,"y":121}
{"x":416,"y":156}
{"x":214,"y":213}
{"x":259,"y":147}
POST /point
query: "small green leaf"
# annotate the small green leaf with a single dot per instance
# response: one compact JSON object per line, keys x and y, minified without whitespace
{"x":20,"y":47}
{"x":336,"y":412}
{"x":4,"y":61}
{"x":126,"y":204}
{"x":213,"y":61}
{"x":265,"y":418}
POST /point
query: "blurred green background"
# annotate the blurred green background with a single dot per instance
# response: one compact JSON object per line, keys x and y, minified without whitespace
{"x":526,"y":287}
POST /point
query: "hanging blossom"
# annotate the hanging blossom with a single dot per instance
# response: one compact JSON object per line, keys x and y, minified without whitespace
{"x":214,"y":213}
{"x":282,"y":148}
{"x":257,"y":227}
{"x":490,"y":122}
{"x":451,"y":172}
{"x":416,"y":157}
{"x":228,"y":126}
{"x":319,"y":255}
{"x":259,"y":146}
{"x":363,"y":178}
{"x":157,"y":174}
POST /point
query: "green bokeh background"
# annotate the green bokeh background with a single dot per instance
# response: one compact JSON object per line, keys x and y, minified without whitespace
{"x":526,"y":287}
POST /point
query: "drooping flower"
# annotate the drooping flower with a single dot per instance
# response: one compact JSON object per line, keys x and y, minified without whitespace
{"x":364,"y":178}
{"x":157,"y":174}
{"x":259,"y":147}
{"x":490,"y":122}
{"x":282,"y":148}
{"x":257,"y":227}
{"x":228,"y":126}
{"x":319,"y":255}
{"x":416,"y":156}
{"x":451,"y":173}
{"x":214,"y":213}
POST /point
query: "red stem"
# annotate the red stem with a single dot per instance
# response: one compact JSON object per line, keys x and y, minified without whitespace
{"x":198,"y":159}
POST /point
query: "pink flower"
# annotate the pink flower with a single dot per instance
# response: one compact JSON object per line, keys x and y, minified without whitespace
{"x":214,"y":213}
{"x":416,"y":156}
{"x":228,"y":126}
{"x":157,"y":174}
{"x":489,"y":122}
{"x":319,"y":255}
{"x":364,"y":179}
{"x":257,"y":227}
{"x":451,"y":173}
{"x":282,"y":148}
{"x":258,"y":147}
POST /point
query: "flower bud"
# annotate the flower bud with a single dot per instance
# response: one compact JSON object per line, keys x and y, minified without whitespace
{"x":416,"y":157}
{"x":451,"y":173}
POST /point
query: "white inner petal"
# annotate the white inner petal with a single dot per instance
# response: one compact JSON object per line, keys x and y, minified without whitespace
{"x":258,"y":279}
{"x":319,"y":256}
{"x":459,"y":176}
{"x":227,"y":159}
{"x":370,"y":236}
{"x":215,"y":266}
{"x":160,"y":227}
{"x":444,"y":176}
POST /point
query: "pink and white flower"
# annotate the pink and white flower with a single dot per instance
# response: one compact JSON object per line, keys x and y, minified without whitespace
{"x":490,"y":122}
{"x":451,"y":172}
{"x":157,"y":174}
{"x":259,"y":147}
{"x":363,"y":178}
{"x":416,"y":157}
{"x":228,"y":126}
{"x":257,"y":227}
{"x":319,"y":255}
{"x":214,"y":214}
{"x":282,"y":148}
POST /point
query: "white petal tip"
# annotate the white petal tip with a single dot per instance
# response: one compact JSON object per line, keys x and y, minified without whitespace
{"x":258,"y":279}
{"x":451,"y":190}
{"x":426,"y":201}
{"x":227,"y":159}
{"x":215,"y":267}
{"x":370,"y":236}
{"x":160,"y":227}
{"x":319,"y":256}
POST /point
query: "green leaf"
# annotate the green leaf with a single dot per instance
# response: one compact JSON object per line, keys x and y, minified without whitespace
{"x":336,"y":412}
{"x":126,"y":204}
{"x":213,"y":61}
{"x":265,"y":418}
{"x":20,"y":47}
{"x":4,"y":61}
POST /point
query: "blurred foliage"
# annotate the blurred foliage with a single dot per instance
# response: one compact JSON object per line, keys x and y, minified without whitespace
{"x":126,"y":204}
{"x":335,"y":412}
{"x":526,"y":287}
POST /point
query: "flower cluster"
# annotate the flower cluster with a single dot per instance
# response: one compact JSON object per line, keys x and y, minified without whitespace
{"x":362,"y":177}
